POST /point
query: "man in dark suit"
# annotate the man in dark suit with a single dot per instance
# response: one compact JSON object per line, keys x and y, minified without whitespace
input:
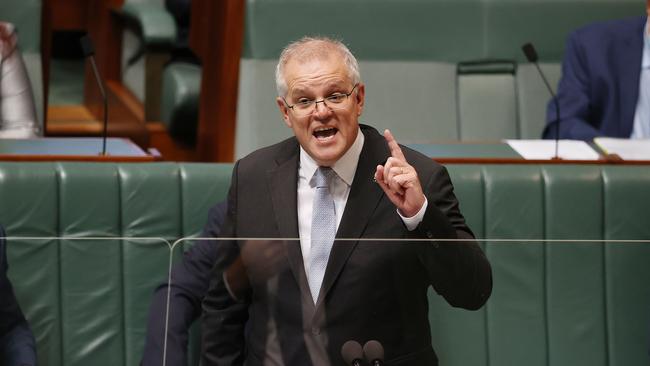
{"x":190,"y":279}
{"x":303,"y":299}
{"x":605,"y":84}
{"x":17,"y":345}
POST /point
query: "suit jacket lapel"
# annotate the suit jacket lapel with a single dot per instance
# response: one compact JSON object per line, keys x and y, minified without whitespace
{"x":630,"y":72}
{"x":283,"y":185}
{"x":364,"y":197}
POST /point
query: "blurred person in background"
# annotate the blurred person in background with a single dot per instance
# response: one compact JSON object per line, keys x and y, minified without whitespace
{"x":605,"y":84}
{"x":17,"y":110}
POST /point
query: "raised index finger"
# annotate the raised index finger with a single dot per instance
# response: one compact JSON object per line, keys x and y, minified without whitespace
{"x":394,"y":148}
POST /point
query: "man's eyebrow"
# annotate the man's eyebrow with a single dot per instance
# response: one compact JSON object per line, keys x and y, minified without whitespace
{"x":335,"y":84}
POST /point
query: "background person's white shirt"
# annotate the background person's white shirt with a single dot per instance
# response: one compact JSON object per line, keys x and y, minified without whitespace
{"x":641,"y":126}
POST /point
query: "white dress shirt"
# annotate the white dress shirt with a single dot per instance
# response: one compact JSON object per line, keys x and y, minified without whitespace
{"x":641,"y":127}
{"x":345,"y":168}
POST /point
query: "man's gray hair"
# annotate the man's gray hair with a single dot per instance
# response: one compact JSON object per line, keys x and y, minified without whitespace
{"x":309,"y":48}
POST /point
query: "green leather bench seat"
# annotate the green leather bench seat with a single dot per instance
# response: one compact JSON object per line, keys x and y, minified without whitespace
{"x":87,"y":300}
{"x":553,"y":302}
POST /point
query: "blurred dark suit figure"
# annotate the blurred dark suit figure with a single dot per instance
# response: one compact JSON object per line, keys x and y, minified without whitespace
{"x":190,"y":279}
{"x":17,"y":345}
{"x":601,"y":82}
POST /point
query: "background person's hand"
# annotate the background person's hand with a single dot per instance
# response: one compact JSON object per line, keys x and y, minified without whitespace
{"x":8,"y":39}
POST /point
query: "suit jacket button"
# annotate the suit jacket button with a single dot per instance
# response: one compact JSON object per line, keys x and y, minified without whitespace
{"x":429,"y":235}
{"x":315,"y":330}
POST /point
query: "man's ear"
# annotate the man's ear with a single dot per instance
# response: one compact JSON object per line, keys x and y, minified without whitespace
{"x":284,"y":110}
{"x":360,"y":98}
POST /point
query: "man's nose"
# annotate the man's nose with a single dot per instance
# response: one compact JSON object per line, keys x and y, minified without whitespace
{"x":321,"y":109}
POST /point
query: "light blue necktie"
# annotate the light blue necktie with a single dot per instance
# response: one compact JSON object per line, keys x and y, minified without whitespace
{"x":323,"y":230}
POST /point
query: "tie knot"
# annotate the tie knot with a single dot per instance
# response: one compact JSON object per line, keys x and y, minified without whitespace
{"x":322,"y":176}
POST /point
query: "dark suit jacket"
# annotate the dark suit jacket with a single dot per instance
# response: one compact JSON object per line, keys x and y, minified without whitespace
{"x":17,"y":345}
{"x":599,"y":87}
{"x":190,"y":279}
{"x":371,"y":290}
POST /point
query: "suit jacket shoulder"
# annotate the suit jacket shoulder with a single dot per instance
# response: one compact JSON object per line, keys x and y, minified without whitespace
{"x":611,"y":30}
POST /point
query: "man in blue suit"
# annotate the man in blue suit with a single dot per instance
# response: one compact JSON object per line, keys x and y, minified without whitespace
{"x":17,"y":345}
{"x":605,"y":84}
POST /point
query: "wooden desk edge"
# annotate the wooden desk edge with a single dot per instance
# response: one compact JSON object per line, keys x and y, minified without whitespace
{"x":90,"y":158}
{"x":445,"y":160}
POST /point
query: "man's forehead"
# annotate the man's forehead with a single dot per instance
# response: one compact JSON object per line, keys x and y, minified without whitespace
{"x":322,"y":71}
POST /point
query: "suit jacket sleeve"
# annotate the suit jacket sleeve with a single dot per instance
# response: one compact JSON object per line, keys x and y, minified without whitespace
{"x":573,"y":96}
{"x":17,"y":344}
{"x":459,"y":271}
{"x":190,"y":279}
{"x":224,"y":317}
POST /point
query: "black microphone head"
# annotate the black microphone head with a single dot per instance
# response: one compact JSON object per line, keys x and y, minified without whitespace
{"x":352,"y":352}
{"x":87,"y":46}
{"x":374,"y":351}
{"x":529,"y":51}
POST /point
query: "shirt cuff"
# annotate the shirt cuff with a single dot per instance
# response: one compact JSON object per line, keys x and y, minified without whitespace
{"x":415,"y":220}
{"x":230,"y":291}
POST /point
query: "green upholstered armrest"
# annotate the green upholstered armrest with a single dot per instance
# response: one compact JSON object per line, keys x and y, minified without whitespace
{"x":156,"y":25}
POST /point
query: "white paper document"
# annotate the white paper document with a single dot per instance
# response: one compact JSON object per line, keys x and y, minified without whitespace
{"x":545,"y":149}
{"x":625,"y":148}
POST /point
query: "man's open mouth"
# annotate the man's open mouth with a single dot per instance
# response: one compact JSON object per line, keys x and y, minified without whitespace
{"x":325,"y":133}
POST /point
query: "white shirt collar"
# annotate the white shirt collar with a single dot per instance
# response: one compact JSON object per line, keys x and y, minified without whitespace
{"x":345,"y":167}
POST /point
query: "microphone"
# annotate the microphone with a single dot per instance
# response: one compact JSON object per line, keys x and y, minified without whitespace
{"x":374,"y":352}
{"x":352,"y":353}
{"x":89,"y":52}
{"x":531,"y":56}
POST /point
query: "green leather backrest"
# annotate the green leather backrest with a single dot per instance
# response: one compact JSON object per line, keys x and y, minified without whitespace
{"x":87,"y":300}
{"x":427,"y":30}
{"x":487,"y":99}
{"x":533,"y":96}
{"x":553,"y":303}
{"x":408,"y":51}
